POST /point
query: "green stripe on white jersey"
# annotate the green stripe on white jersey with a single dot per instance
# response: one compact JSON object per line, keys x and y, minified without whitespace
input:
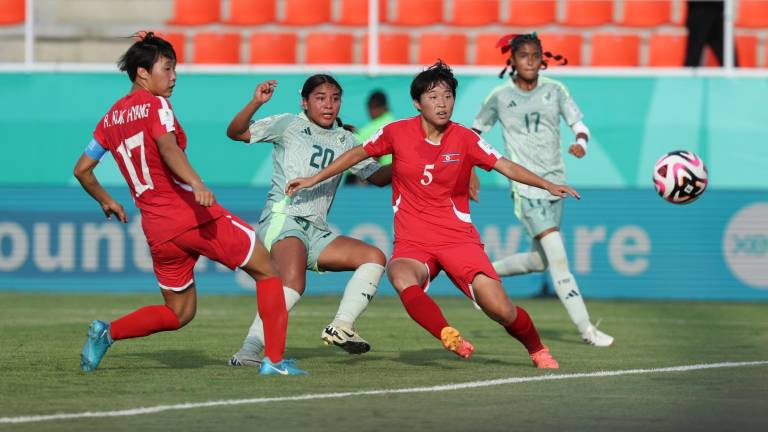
{"x":530,"y":122}
{"x":301,"y":149}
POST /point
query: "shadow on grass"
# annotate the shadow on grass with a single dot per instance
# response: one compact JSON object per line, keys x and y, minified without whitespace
{"x":174,"y":358}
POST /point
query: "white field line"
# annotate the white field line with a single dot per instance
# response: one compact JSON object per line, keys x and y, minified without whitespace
{"x":316,"y":396}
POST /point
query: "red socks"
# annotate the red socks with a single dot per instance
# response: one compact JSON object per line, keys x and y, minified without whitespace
{"x":423,"y":310}
{"x":523,"y":330}
{"x":144,"y":322}
{"x":269,"y":294}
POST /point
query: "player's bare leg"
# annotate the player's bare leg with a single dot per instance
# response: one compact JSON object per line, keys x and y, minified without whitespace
{"x":345,"y":254}
{"x":490,"y":296}
{"x":408,"y":276}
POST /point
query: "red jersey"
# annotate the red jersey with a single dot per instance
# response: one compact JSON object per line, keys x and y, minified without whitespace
{"x":129,"y":131}
{"x":430,"y":181}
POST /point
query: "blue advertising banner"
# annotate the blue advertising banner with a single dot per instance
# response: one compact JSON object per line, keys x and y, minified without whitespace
{"x":621,"y":243}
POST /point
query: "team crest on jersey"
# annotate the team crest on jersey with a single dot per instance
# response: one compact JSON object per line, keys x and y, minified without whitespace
{"x":449,"y":157}
{"x":341,"y":139}
{"x":547,"y":96}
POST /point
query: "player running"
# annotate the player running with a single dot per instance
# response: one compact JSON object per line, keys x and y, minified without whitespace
{"x":432,"y":161}
{"x":529,"y":108}
{"x":180,"y":216}
{"x":295,"y":229}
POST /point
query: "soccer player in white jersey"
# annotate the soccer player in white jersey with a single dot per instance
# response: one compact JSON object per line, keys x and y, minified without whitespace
{"x":295,"y":229}
{"x":529,"y":108}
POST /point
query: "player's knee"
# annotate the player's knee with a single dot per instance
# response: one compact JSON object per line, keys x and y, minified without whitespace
{"x":375,"y":256}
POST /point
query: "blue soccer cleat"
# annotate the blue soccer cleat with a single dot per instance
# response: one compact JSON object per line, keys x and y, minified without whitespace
{"x":285,"y":367}
{"x":95,"y":346}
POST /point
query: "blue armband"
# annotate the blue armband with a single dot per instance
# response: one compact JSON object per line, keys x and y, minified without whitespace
{"x":94,"y":150}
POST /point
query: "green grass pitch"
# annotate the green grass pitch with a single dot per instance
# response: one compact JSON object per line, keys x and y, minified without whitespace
{"x":41,"y":336}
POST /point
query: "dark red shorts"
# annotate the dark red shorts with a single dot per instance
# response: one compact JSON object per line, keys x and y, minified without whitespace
{"x":228,"y":240}
{"x":461,"y":262}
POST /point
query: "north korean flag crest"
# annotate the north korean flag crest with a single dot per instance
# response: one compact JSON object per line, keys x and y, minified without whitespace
{"x":449,"y":157}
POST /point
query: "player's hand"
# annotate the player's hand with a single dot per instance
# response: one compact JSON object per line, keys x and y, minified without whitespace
{"x":474,"y":187}
{"x":577,"y":150}
{"x":264,"y":91}
{"x":562,"y":190}
{"x":203,"y":195}
{"x":298,"y":184}
{"x":114,"y":208}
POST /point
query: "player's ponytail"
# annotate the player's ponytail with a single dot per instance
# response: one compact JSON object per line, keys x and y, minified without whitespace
{"x":512,"y":42}
{"x":144,"y":53}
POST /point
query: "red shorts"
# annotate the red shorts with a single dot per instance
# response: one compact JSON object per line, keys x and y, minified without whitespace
{"x":228,"y":240}
{"x":461,"y":262}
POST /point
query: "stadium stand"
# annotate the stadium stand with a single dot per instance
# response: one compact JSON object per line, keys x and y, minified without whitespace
{"x":11,"y":11}
{"x":195,"y":12}
{"x":216,"y":48}
{"x":587,"y":13}
{"x":646,"y":13}
{"x":417,"y":12}
{"x":272,"y":48}
{"x":531,"y":12}
{"x":179,"y":42}
{"x":565,"y":44}
{"x":394,"y":48}
{"x":752,"y":13}
{"x":249,"y":12}
{"x":474,"y":12}
{"x":355,"y":12}
{"x":611,"y":49}
{"x":666,"y":50}
{"x":486,"y":53}
{"x":451,"y":48}
{"x":306,"y":12}
{"x":329,"y":48}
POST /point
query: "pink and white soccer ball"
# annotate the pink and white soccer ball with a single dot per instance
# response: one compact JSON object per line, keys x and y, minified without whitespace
{"x":680,"y":177}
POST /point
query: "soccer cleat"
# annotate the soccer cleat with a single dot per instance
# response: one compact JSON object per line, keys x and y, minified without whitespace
{"x":95,"y":346}
{"x":344,"y":338}
{"x":595,"y":337}
{"x":245,"y":358}
{"x":284,"y":367}
{"x":452,"y":341}
{"x":543,"y":359}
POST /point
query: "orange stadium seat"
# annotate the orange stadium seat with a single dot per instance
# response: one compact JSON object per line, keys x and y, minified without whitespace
{"x":355,"y":12}
{"x":609,"y":49}
{"x":666,"y":50}
{"x":646,"y":13}
{"x":567,"y":45}
{"x":272,"y":48}
{"x":752,"y":13}
{"x":451,"y":48}
{"x":329,"y":48}
{"x":245,"y":12}
{"x":531,"y":12}
{"x":394,"y":48}
{"x":12,"y":11}
{"x":195,"y":12}
{"x":486,"y":52}
{"x":303,"y":12}
{"x":178,"y":41}
{"x":746,"y":50}
{"x":585,"y":13}
{"x":217,"y":48}
{"x":475,"y":12}
{"x":417,"y":12}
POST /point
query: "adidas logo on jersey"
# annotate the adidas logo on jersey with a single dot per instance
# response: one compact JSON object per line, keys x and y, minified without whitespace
{"x":572,"y":294}
{"x":512,"y":104}
{"x":307,"y":131}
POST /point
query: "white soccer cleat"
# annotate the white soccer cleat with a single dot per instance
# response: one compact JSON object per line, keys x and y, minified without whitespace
{"x":344,"y":338}
{"x":595,"y":337}
{"x":245,"y":358}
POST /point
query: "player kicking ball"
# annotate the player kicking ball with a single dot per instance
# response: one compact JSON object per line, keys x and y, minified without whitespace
{"x":432,"y":162}
{"x":180,"y":216}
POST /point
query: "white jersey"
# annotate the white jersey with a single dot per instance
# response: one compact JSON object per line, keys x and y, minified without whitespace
{"x":530,"y":123}
{"x":301,"y":149}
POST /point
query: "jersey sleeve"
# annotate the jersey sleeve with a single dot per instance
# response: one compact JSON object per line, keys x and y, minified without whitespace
{"x":480,"y":152}
{"x":95,"y":150}
{"x":161,"y":118}
{"x":380,"y":143}
{"x":365,"y":168}
{"x":488,"y":114}
{"x":568,"y":108}
{"x":269,"y":129}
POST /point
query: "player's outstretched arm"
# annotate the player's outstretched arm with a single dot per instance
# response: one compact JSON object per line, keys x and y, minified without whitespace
{"x":520,"y":174}
{"x":238,"y":127}
{"x":177,"y":161}
{"x":84,"y":174}
{"x":346,"y":160}
{"x":382,"y":176}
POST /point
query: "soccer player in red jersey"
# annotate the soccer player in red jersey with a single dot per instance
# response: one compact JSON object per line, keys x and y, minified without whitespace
{"x":432,"y":162}
{"x":180,"y":216}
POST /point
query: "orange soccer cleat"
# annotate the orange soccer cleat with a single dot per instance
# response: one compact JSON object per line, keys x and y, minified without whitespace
{"x":453,"y":341}
{"x":543,"y":359}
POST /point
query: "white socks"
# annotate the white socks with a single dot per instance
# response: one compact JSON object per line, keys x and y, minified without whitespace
{"x":521,"y":263}
{"x":565,"y":284}
{"x":254,"y":342}
{"x":359,"y":292}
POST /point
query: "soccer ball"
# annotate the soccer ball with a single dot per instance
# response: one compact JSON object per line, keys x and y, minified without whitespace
{"x":680,"y":177}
